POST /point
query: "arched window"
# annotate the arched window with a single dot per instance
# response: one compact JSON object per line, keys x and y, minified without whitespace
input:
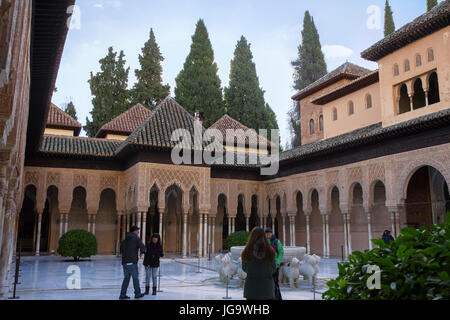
{"x":404,"y":103}
{"x":351,"y":108}
{"x":321,"y":123}
{"x":430,"y":55}
{"x":407,"y":65}
{"x":418,"y":60}
{"x":433,"y":89}
{"x":419,"y":95}
{"x":369,"y":101}
{"x":396,"y":70}
{"x":311,"y":127}
{"x":335,"y":115}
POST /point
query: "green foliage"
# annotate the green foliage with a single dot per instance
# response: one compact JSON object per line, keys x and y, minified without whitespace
{"x":415,"y":266}
{"x":244,"y":98}
{"x":71,"y":111}
{"x":109,"y":88}
{"x":77,"y":244}
{"x":431,"y":4}
{"x":198,"y":87}
{"x":149,"y":90}
{"x":309,"y":67}
{"x":389,"y":26}
{"x":237,"y":239}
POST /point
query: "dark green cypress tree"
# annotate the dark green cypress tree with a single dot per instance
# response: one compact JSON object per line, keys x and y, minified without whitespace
{"x":149,"y":90}
{"x":244,"y":99}
{"x":71,"y":111}
{"x":389,"y":26}
{"x":198,"y":87}
{"x":431,"y":4}
{"x":109,"y":88}
{"x":308,"y":68}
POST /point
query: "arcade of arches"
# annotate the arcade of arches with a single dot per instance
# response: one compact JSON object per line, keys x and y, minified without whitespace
{"x":331,"y":212}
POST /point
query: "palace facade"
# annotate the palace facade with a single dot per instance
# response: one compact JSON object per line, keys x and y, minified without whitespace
{"x":375,"y":154}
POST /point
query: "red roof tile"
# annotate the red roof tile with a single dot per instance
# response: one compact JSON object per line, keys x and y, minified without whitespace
{"x":58,"y":119}
{"x":227,"y":122}
{"x":125,"y":123}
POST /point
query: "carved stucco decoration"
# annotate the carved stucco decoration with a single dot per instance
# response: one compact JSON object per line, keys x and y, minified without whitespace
{"x":80,"y":181}
{"x":32,"y":177}
{"x":109,"y":182}
{"x":53,"y":179}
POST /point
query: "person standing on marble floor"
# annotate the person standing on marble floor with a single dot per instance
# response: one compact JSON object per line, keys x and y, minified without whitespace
{"x":130,"y":256}
{"x":151,"y":262}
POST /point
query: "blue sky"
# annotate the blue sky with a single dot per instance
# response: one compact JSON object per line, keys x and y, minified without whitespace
{"x":272,"y":27}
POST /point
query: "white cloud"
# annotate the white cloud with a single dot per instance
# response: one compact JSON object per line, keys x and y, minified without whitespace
{"x":98,"y":5}
{"x":336,"y":51}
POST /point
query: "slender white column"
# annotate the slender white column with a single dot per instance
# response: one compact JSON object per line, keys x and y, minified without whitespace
{"x":200,"y":235}
{"x":209,"y":234}
{"x":324,"y":238}
{"x":393,"y":222}
{"x":124,"y":225}
{"x":327,"y":237}
{"x":294,"y":237}
{"x":284,"y":230}
{"x":213,"y":234}
{"x":66,"y":225}
{"x":185,"y":217}
{"x":291,"y":235}
{"x":61,"y":223}
{"x":397,"y":224}
{"x":344,"y":217}
{"x":205,"y":234}
{"x":138,"y":223}
{"x":118,"y":235}
{"x":144,"y":227}
{"x":369,"y":229}
{"x":161,"y":231}
{"x":349,"y":235}
{"x":308,"y":239}
{"x":247,"y":224}
{"x":189,"y":234}
{"x":230,"y":223}
{"x":89,"y":223}
{"x":38,"y":237}
{"x":94,"y":216}
{"x":233,"y":226}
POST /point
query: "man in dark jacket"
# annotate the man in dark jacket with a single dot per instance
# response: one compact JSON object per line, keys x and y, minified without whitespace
{"x":387,"y":238}
{"x":130,"y":251}
{"x":279,"y":256}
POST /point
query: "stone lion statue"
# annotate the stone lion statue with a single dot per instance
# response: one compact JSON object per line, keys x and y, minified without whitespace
{"x":309,"y":268}
{"x":290,"y":273}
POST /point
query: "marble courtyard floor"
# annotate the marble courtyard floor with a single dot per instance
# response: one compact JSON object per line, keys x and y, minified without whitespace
{"x":45,"y":278}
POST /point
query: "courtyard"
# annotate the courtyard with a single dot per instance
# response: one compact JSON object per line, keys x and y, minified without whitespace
{"x":46,"y":277}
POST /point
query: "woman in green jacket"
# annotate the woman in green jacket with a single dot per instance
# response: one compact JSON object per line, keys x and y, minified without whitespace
{"x":258,"y":261}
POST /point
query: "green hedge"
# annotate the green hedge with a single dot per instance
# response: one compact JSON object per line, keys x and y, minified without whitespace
{"x":237,"y":239}
{"x":415,"y":266}
{"x":77,"y":244}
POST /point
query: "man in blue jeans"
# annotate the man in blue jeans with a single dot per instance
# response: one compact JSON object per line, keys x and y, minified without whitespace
{"x":130,"y":252}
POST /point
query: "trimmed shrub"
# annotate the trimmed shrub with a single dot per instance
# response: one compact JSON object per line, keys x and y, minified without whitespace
{"x":415,"y":266}
{"x":237,"y":239}
{"x":77,"y":244}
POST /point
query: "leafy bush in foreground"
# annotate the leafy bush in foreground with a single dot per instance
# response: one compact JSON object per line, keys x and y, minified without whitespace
{"x":415,"y":266}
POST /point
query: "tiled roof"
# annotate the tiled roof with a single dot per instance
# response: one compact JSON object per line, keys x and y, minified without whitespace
{"x":347,"y":88}
{"x":346,"y":71}
{"x":227,"y":122}
{"x":157,"y":129}
{"x":61,"y":120}
{"x":428,"y":23}
{"x":125,"y":123}
{"x":365,"y":135}
{"x":78,"y":146}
